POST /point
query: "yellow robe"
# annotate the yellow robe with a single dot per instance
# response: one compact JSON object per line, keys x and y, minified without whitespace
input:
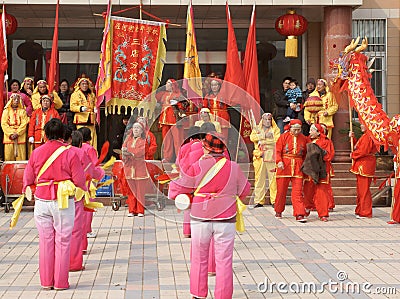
{"x":264,"y":162}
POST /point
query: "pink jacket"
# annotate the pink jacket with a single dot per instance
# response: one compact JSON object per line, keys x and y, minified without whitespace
{"x":66,"y":167}
{"x":89,"y":167}
{"x":90,"y":151}
{"x":217,"y":199}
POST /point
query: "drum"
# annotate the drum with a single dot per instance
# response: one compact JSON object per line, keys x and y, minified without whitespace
{"x":11,"y":176}
{"x":182,"y":202}
{"x":30,"y":192}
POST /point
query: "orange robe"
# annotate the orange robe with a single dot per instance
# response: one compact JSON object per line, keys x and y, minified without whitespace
{"x":37,"y":122}
{"x":136,"y":173}
{"x":364,"y":163}
{"x":218,"y":109}
{"x":291,"y":150}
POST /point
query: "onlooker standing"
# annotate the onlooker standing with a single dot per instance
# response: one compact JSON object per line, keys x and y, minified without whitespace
{"x":310,"y":87}
{"x":83,"y":103}
{"x":39,"y":118}
{"x":14,"y":122}
{"x":295,"y":96}
{"x":364,"y":163}
{"x":264,"y":137}
{"x":281,"y":103}
{"x":133,"y":152}
{"x":66,"y":115}
{"x":329,"y":107}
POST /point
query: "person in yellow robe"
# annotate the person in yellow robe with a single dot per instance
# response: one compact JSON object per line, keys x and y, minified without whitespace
{"x":330,"y":106}
{"x":14,"y":122}
{"x":264,"y":136}
{"x":83,"y":103}
{"x":41,"y":89}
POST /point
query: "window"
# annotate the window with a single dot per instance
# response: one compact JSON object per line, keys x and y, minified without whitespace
{"x":375,"y":30}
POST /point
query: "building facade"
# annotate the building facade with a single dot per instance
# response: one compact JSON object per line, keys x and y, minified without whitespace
{"x":332,"y":24}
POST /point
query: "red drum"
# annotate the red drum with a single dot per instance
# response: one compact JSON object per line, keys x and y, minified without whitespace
{"x":11,"y":176}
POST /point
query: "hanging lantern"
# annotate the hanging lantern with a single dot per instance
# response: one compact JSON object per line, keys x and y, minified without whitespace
{"x":291,"y":25}
{"x":11,"y":24}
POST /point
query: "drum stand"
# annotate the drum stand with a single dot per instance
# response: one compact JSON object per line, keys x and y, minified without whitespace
{"x":6,"y":203}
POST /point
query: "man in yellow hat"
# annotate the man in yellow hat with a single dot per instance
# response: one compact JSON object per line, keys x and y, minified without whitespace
{"x":13,"y":122}
{"x":83,"y":103}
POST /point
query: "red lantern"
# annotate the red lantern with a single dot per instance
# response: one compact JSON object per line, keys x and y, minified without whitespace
{"x":11,"y":24}
{"x":291,"y":25}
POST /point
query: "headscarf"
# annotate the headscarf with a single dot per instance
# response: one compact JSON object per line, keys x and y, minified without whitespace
{"x":275,"y":129}
{"x":40,"y":82}
{"x":27,"y":79}
{"x":80,"y":80}
{"x":12,"y":96}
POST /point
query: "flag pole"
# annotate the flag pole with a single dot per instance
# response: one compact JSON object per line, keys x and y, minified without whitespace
{"x":140,"y":9}
{"x":238,"y":139}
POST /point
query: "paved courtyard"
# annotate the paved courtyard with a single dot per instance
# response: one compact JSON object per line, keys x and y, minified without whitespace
{"x":149,"y":258}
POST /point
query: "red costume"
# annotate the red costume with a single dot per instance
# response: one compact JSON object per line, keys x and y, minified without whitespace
{"x":395,"y":214}
{"x":151,"y":146}
{"x":135,"y":172}
{"x":319,"y":194}
{"x":167,"y":121}
{"x":219,"y":110}
{"x":36,"y":124}
{"x":364,"y":163}
{"x":291,"y":150}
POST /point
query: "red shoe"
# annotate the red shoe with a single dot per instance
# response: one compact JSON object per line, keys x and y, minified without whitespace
{"x":324,"y":219}
{"x":392,"y":222}
{"x":308,"y":211}
{"x":301,"y":218}
{"x":278,"y":215}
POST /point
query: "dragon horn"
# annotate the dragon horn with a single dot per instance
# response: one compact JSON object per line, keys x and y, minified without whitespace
{"x":363,"y":45}
{"x":348,"y":48}
{"x":371,"y":62}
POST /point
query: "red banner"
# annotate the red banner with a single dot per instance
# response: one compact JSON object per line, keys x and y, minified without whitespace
{"x":137,"y":54}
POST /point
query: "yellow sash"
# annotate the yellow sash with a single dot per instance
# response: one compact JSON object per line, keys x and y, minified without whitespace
{"x":65,"y":188}
{"x":211,"y":173}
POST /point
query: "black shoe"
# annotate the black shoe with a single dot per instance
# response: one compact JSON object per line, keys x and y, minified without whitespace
{"x":258,"y":205}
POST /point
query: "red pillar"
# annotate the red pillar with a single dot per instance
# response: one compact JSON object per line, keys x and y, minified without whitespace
{"x":337,"y":27}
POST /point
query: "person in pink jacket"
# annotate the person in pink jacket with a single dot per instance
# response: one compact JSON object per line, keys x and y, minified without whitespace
{"x":79,"y":232}
{"x":215,"y":182}
{"x":54,"y":224}
{"x":90,"y":152}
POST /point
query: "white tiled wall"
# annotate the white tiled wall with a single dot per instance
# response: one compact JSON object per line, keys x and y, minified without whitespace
{"x":376,"y":13}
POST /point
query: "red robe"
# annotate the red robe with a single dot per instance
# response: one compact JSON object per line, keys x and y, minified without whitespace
{"x":364,"y":163}
{"x":218,"y":109}
{"x":291,"y":150}
{"x":37,"y":122}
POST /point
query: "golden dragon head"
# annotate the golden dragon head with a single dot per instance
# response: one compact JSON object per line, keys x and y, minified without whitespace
{"x":341,"y":64}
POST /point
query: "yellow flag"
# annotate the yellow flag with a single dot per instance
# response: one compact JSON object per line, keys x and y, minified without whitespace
{"x":17,"y":205}
{"x":191,"y":74}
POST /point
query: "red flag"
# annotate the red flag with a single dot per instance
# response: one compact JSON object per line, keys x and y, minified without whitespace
{"x":51,"y":79}
{"x":3,"y":57}
{"x":250,"y":64}
{"x":234,"y":73}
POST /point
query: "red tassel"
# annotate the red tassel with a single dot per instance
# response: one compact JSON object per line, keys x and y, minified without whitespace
{"x":104,"y":152}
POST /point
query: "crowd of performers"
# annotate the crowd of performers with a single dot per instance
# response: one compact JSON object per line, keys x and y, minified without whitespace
{"x":28,"y":109}
{"x":292,"y":145}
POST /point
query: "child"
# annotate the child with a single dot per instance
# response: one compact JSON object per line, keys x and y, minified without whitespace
{"x":293,"y":93}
